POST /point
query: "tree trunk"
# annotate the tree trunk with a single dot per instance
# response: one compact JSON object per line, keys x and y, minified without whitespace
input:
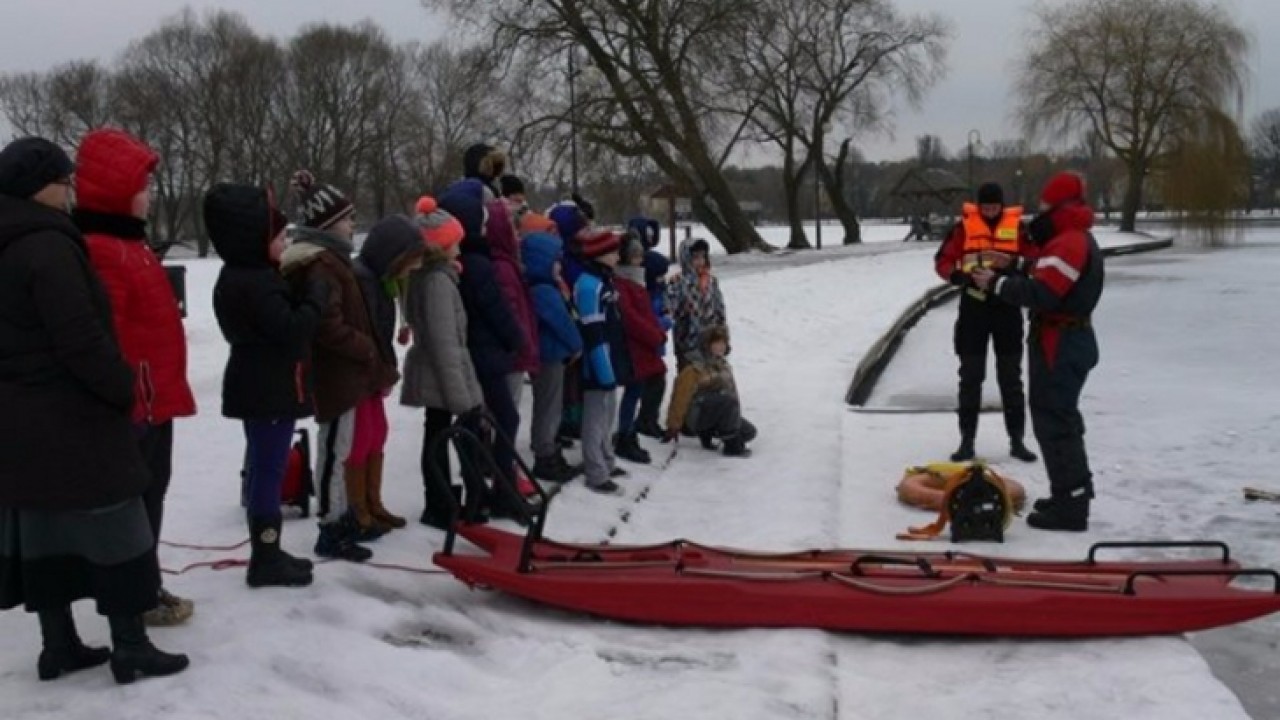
{"x":714,"y":203}
{"x":791,"y":195}
{"x":835,"y":182}
{"x":1132,"y":196}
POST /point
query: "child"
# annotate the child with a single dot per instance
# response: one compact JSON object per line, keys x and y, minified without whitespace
{"x":645,"y":338}
{"x":113,"y":174}
{"x":694,"y":299}
{"x":345,"y":359}
{"x":266,"y":383}
{"x":704,"y":401}
{"x":606,"y":363}
{"x":494,"y":338}
{"x":390,"y":253}
{"x":656,"y":266}
{"x":559,"y":343}
{"x":509,"y":273}
{"x":438,"y":374}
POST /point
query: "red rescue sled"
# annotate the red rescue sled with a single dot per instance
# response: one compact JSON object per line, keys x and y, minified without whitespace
{"x":946,"y":593}
{"x":940,"y":593}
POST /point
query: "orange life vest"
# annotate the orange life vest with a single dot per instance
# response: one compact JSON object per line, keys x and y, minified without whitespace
{"x":978,"y":235}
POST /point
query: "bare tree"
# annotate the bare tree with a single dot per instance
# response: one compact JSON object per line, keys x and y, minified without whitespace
{"x":1136,"y":72}
{"x":663,"y":91}
{"x":61,"y":104}
{"x":930,"y":152}
{"x":1265,"y":148}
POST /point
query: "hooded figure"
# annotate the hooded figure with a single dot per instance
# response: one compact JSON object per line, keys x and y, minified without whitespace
{"x":694,"y":299}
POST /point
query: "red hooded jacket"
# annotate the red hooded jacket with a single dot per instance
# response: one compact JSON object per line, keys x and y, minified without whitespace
{"x":111,"y":168}
{"x":645,"y":336}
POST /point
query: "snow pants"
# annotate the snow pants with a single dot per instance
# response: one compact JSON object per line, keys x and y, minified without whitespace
{"x":983,"y":323}
{"x":1056,"y":384}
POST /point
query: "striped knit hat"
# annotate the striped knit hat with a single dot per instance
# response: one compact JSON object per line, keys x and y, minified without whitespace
{"x":319,"y":206}
{"x":438,"y":227}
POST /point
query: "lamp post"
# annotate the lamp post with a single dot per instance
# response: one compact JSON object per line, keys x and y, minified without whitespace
{"x":817,"y":181}
{"x":573,"y":121}
{"x":1017,"y":185}
{"x":975,"y":138}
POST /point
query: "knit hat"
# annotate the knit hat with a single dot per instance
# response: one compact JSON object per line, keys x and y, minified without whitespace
{"x":510,"y":185}
{"x":713,"y":334}
{"x":28,"y":164}
{"x":533,"y":222}
{"x":320,"y":206}
{"x":990,"y":194}
{"x":438,"y":227}
{"x":598,"y":243}
{"x":1061,"y":188}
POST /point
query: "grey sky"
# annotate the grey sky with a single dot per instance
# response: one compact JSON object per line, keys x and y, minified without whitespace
{"x":976,"y":93}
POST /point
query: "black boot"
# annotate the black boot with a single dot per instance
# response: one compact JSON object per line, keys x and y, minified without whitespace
{"x":549,"y":469}
{"x":337,"y":540}
{"x":133,"y":654}
{"x":708,"y":440}
{"x":1068,"y":514}
{"x":735,"y":446}
{"x":63,"y":651}
{"x":627,"y":447}
{"x":269,"y":566}
{"x":649,"y":428}
{"x":968,"y":431}
{"x":1042,"y":505}
{"x":1020,"y":451}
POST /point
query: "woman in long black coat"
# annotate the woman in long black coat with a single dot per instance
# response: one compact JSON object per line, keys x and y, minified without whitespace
{"x":72,"y":522}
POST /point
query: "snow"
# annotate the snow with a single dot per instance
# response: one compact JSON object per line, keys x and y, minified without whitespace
{"x":387,"y":643}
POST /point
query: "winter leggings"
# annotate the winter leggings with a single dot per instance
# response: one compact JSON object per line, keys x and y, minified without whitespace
{"x":631,"y":397}
{"x":548,"y":404}
{"x":268,"y":444}
{"x":599,"y":408}
{"x":371,"y":430}
{"x":156,"y":444}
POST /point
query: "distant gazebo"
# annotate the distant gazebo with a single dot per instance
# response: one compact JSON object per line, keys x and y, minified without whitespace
{"x":932,"y":198}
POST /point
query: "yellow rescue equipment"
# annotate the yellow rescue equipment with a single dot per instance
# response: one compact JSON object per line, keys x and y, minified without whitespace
{"x":975,"y":500}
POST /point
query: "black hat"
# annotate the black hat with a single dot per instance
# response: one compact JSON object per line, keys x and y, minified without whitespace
{"x":510,"y":185}
{"x":990,"y":194}
{"x":28,"y":164}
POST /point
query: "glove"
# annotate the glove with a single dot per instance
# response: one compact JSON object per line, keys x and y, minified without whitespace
{"x":405,"y":335}
{"x":670,"y":435}
{"x":959,"y":278}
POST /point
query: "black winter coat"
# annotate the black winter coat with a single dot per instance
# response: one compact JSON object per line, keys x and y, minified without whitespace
{"x":493,"y":335}
{"x":65,"y":390}
{"x":268,"y":374}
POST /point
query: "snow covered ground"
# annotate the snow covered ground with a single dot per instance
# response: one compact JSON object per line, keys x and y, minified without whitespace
{"x":369,"y":642}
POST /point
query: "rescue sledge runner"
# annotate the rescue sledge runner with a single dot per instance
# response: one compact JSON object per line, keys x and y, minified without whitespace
{"x":939,"y":593}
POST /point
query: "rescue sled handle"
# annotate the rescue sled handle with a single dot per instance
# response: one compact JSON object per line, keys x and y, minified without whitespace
{"x":1233,"y":574}
{"x":1162,"y":544}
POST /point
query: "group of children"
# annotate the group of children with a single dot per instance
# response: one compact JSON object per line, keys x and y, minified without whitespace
{"x":491,"y":294}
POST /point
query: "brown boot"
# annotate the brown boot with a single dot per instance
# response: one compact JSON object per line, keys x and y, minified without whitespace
{"x":376,"y":508}
{"x":356,"y":478}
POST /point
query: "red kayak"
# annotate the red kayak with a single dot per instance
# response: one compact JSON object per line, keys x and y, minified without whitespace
{"x":943,"y":593}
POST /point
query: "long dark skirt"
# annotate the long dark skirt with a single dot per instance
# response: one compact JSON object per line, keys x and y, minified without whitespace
{"x":50,"y":559}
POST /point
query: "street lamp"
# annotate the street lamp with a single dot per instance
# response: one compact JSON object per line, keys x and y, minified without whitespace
{"x":573,"y":121}
{"x":1017,"y":185}
{"x":975,"y":138}
{"x":817,"y":181}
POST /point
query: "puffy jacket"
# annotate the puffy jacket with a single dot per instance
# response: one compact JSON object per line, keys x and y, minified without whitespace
{"x":645,"y":337}
{"x":607,"y":363}
{"x":511,"y":280}
{"x":66,"y":392}
{"x":344,"y":355}
{"x":112,"y":168}
{"x":438,"y":372}
{"x":558,"y":335}
{"x":268,"y":326}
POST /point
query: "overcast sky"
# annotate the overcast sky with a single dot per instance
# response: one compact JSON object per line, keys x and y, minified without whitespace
{"x":975,"y":94}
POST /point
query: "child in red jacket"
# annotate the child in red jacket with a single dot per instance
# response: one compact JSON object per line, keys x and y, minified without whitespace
{"x":645,"y":338}
{"x":113,"y":172}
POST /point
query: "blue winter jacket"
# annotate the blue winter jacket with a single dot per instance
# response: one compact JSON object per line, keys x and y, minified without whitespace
{"x":607,"y":362}
{"x":558,"y":336}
